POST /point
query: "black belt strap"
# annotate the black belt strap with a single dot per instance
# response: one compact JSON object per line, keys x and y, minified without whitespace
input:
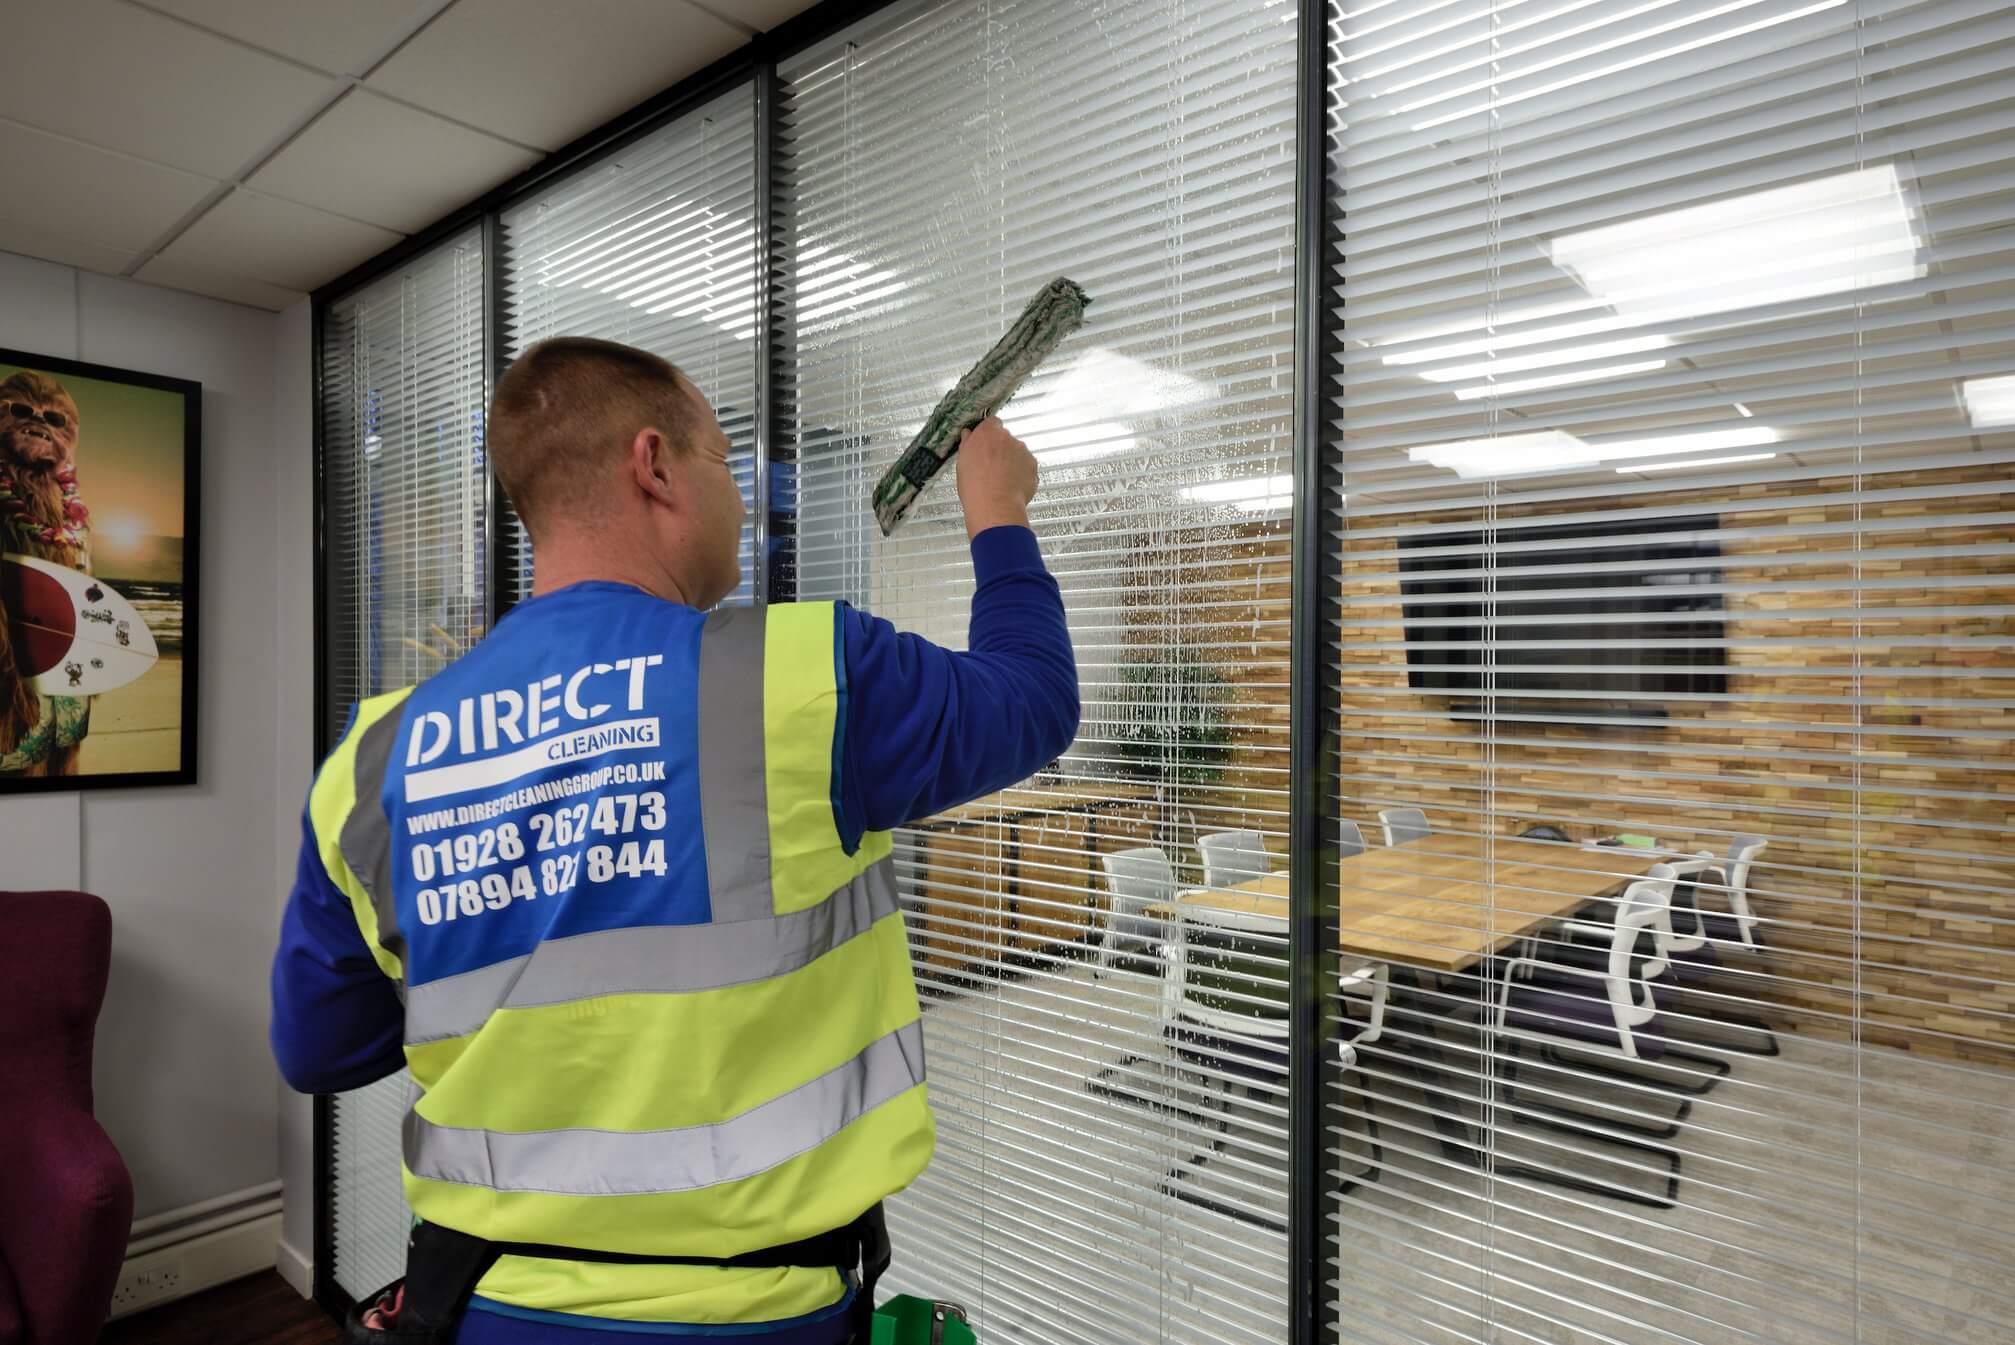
{"x":443,"y":1267}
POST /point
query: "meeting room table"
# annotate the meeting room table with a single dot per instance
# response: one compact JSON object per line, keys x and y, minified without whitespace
{"x":1439,"y":906}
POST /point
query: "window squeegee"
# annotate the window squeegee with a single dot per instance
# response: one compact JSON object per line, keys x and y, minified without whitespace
{"x":1056,"y":311}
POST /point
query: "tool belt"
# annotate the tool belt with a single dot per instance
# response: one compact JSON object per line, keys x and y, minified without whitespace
{"x":444,"y":1266}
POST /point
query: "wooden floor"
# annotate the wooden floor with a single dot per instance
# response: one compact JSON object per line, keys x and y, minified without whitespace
{"x":262,"y":1309}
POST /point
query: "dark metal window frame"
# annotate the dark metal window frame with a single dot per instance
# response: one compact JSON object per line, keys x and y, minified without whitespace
{"x":1313,"y":1244}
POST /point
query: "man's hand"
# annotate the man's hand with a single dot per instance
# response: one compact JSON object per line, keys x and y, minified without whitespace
{"x":997,"y":477}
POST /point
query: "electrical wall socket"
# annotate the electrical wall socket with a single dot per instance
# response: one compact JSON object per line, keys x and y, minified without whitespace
{"x":147,"y":1280}
{"x":200,"y":1263}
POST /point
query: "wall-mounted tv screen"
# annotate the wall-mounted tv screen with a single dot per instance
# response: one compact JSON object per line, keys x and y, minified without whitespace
{"x":1615,"y":613}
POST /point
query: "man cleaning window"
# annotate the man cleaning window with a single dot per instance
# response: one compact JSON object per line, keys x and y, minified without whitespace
{"x":617,"y":887}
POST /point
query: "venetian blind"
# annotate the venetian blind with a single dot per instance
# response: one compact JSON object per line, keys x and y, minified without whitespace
{"x":655,"y":246}
{"x":1109,"y":1166}
{"x":1673,"y":380}
{"x":405,"y":490}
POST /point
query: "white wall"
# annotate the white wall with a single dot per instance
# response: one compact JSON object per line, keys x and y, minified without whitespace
{"x":185,"y":1081}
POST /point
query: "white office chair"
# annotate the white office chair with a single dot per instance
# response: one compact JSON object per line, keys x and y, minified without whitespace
{"x":1137,"y":880}
{"x":1606,"y":1010}
{"x":1226,"y":1003}
{"x":1739,"y":926}
{"x":1370,"y":983}
{"x":1403,"y":825}
{"x":1701,"y":937}
{"x":1690,"y":943}
{"x":1593,"y":922}
{"x":1232,"y":857}
{"x":1530,"y":1013}
{"x":1349,"y":839}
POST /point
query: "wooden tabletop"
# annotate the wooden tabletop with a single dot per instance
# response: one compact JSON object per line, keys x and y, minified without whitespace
{"x":1022,"y":800}
{"x":1446,"y":902}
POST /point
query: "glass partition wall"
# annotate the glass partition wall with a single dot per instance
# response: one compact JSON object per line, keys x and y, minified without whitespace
{"x":655,"y":247}
{"x":1675,"y":515}
{"x":1655,"y":367}
{"x":1095,"y":1178}
{"x":405,"y":589}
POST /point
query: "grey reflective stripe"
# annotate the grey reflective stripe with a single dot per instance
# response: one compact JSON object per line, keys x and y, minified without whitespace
{"x":650,"y":1162}
{"x":651,"y":960}
{"x":734,"y":798}
{"x":366,"y":839}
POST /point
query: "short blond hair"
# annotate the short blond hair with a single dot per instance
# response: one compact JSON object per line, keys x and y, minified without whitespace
{"x":569,"y":405}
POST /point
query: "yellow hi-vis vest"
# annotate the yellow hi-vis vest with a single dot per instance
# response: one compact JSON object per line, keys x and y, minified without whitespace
{"x":696,"y":1089}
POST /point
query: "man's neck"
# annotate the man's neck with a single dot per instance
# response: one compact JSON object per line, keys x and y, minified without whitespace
{"x":556,"y":565}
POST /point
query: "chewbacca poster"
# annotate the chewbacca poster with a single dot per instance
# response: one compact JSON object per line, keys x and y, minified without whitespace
{"x":98,"y":493}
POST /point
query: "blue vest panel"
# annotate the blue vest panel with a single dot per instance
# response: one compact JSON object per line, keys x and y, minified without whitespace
{"x":547,"y":783}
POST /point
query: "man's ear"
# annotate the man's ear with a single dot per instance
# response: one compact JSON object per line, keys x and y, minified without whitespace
{"x":652,"y":466}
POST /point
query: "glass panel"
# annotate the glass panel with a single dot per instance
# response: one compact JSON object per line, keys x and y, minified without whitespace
{"x":405,"y":488}
{"x":1675,"y":532}
{"x":655,"y":247}
{"x":1109,"y":1082}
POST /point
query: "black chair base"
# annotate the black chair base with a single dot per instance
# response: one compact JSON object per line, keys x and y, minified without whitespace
{"x":1524,"y":1171}
{"x":1718,"y":1069}
{"x":1737,"y":1022}
{"x":1509,"y":1091}
{"x":1105,"y":1084}
{"x":1102,"y":1084}
{"x":1585,"y":1126}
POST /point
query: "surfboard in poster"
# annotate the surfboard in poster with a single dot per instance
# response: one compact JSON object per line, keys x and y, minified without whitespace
{"x":73,"y":634}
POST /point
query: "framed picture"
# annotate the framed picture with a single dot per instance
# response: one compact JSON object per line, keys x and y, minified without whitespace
{"x":99,"y":473}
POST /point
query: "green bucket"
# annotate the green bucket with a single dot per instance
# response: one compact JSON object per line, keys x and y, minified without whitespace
{"x":905,"y":1320}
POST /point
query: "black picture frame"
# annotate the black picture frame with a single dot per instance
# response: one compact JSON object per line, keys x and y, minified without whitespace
{"x":191,"y":393}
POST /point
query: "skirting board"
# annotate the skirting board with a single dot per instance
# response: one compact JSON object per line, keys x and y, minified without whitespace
{"x":202,"y":1262}
{"x":296,"y":1267}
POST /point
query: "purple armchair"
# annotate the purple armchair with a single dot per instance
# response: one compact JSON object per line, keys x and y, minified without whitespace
{"x":66,"y":1199}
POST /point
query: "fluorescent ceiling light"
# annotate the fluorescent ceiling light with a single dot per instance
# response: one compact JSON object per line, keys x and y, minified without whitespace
{"x":1121,"y":387}
{"x":1699,"y":441}
{"x":1518,"y":385}
{"x":1507,"y":454}
{"x":1518,"y":364}
{"x":1846,"y":232}
{"x":1580,"y":60}
{"x":1255,"y":494}
{"x":1079,"y":443}
{"x":1082,"y":415}
{"x":1693,"y":462}
{"x":720,"y":291}
{"x":1495,"y":323}
{"x":1989,"y":401}
{"x":1552,"y":450}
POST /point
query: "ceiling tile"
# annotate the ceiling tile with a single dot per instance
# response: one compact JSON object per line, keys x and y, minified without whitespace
{"x":389,"y":164}
{"x":276,"y":241}
{"x":340,"y":37}
{"x":216,"y":284}
{"x":761,"y":15}
{"x":64,"y":248}
{"x":121,"y":77}
{"x":510,"y":68}
{"x":93,"y":194}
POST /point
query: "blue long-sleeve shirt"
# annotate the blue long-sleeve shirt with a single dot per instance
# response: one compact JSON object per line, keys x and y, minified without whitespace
{"x":926,"y":729}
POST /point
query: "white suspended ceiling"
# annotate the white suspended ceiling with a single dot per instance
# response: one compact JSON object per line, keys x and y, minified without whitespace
{"x":252,"y":150}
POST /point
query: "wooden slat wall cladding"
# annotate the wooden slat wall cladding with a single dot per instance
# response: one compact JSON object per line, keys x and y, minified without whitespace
{"x":1895,"y":853}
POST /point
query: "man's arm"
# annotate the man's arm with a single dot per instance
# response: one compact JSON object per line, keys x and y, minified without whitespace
{"x":928,"y":728}
{"x":337,"y":1021}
